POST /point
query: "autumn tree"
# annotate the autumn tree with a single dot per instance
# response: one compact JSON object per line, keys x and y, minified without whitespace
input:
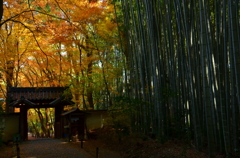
{"x":58,"y":43}
{"x":62,"y":48}
{"x":78,"y":45}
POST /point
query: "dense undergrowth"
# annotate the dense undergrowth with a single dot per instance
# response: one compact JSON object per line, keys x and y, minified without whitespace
{"x":138,"y":145}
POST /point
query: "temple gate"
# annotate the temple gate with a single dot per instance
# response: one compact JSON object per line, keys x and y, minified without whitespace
{"x":39,"y":97}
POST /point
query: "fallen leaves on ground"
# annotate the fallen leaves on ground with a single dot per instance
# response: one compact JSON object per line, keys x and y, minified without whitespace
{"x":139,"y":146}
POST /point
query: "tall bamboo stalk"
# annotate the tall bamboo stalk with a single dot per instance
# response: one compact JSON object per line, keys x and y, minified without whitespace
{"x":189,"y":47}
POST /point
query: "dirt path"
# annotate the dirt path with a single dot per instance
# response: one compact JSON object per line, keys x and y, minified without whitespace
{"x":55,"y":148}
{"x":50,"y":148}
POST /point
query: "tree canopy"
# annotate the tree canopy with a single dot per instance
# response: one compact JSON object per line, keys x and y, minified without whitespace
{"x":59,"y":43}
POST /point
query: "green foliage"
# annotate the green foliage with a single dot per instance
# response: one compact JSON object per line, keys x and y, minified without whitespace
{"x":121,"y":115}
{"x":41,"y":122}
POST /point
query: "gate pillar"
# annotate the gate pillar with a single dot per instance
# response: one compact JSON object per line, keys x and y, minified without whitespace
{"x":23,"y":123}
{"x":58,"y":124}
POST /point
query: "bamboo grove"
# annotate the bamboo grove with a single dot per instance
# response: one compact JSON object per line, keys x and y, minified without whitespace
{"x":183,"y":58}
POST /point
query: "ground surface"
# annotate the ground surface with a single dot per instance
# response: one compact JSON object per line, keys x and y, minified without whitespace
{"x":45,"y":148}
{"x":56,"y":148}
{"x":139,"y":146}
{"x":108,"y":147}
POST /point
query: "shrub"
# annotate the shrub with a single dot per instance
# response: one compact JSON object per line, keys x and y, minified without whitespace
{"x":121,"y":115}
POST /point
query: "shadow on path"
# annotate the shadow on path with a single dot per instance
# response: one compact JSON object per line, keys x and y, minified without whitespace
{"x":50,"y":148}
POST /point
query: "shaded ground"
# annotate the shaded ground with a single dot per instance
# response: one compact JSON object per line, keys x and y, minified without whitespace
{"x":45,"y":148}
{"x":140,"y":146}
{"x":55,"y":148}
{"x":48,"y":148}
{"x":109,"y":147}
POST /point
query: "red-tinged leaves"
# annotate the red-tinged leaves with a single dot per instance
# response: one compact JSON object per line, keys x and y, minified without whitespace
{"x":63,"y":43}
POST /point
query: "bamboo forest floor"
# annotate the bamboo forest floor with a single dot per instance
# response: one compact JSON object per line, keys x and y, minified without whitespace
{"x":108,"y":147}
{"x":139,"y":146}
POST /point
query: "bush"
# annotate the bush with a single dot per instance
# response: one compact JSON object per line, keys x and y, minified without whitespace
{"x":121,"y":115}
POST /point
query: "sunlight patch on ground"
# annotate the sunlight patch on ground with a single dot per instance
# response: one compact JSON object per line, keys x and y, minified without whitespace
{"x":64,"y":142}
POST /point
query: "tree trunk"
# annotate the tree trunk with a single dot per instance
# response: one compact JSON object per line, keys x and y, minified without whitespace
{"x":1,"y":11}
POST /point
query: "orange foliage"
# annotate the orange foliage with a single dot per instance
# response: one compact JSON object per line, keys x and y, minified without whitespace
{"x":59,"y":42}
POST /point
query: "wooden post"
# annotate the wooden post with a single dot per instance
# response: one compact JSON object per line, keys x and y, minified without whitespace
{"x":97,"y":150}
{"x":18,"y":150}
{"x":17,"y":146}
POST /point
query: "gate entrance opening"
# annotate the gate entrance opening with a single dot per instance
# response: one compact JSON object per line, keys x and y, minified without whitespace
{"x":25,"y":98}
{"x":41,"y":123}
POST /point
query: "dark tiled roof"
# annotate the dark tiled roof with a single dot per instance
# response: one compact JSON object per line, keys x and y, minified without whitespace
{"x":36,"y":93}
{"x":74,"y":110}
{"x":22,"y":100}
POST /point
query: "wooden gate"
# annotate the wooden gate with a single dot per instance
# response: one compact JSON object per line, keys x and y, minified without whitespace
{"x":38,"y":97}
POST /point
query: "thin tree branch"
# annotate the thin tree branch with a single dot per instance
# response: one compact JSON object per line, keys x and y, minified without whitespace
{"x":33,"y":37}
{"x":61,"y":9}
{"x":26,"y":11}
